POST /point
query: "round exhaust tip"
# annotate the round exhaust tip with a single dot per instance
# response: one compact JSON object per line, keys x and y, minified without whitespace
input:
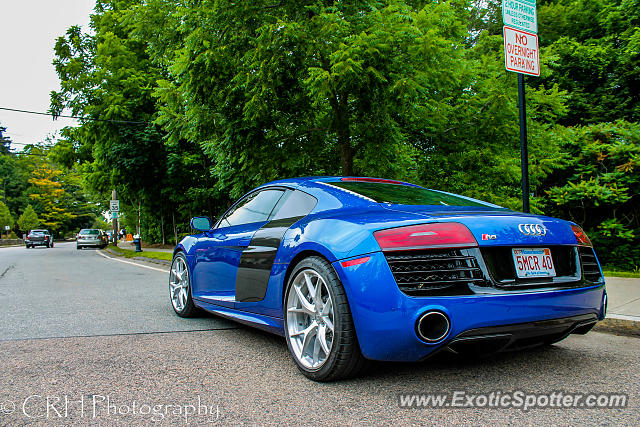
{"x":433,"y":326}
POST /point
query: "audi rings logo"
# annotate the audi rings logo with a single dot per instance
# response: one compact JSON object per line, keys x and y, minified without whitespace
{"x":532,"y":229}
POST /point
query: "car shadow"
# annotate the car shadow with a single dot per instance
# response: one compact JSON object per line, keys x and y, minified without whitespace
{"x":446,"y":371}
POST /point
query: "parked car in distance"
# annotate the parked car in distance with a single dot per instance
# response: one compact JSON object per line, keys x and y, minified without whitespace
{"x":91,"y":237}
{"x":349,"y":269}
{"x":39,"y":238}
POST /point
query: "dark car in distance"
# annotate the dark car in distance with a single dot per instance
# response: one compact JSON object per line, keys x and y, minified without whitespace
{"x":39,"y":238}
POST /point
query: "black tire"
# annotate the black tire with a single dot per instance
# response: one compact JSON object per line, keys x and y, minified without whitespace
{"x":28,"y":247}
{"x":345,"y":360}
{"x":188,"y":309}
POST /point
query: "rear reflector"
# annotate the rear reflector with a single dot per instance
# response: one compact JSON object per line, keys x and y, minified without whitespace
{"x":435,"y":235}
{"x":581,"y":236}
{"x":356,"y":261}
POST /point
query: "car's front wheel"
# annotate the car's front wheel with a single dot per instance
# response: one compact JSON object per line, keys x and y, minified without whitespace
{"x":318,"y":324}
{"x":180,"y":287}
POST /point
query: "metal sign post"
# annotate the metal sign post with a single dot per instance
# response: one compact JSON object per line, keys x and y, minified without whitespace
{"x":524,"y":151}
{"x":521,"y":55}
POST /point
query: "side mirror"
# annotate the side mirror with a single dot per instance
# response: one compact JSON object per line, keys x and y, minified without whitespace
{"x":201,"y":223}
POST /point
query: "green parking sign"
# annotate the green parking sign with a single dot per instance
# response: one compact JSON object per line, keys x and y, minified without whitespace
{"x":520,"y":14}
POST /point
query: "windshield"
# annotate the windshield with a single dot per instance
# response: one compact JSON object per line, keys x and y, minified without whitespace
{"x":38,"y":232}
{"x":405,"y":194}
{"x":92,"y":232}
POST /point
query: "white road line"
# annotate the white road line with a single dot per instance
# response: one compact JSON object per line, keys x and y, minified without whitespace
{"x":134,"y":263}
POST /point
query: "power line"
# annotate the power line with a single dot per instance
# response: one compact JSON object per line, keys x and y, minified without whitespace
{"x":74,"y":117}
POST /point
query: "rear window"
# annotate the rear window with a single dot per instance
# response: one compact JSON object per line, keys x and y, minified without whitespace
{"x":91,"y":232}
{"x":399,"y":194}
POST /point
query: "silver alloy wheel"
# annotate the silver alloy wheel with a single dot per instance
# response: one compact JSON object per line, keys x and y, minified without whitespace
{"x":179,"y":284}
{"x":310,"y":321}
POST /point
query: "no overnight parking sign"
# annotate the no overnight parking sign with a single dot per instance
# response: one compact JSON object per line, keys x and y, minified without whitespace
{"x":521,"y":53}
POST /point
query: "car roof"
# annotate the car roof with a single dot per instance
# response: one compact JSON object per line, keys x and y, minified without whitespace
{"x":319,"y":181}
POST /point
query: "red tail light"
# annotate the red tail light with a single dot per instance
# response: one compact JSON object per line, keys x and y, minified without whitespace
{"x":435,"y":235}
{"x":581,"y":236}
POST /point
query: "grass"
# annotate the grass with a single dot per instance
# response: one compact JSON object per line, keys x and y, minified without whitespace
{"x":612,"y":273}
{"x":145,"y":253}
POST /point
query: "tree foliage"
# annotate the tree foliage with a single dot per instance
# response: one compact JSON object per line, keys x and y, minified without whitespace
{"x":192,"y":103}
{"x":599,"y":187}
{"x":5,"y":217}
{"x":28,"y":220}
{"x":593,"y":51}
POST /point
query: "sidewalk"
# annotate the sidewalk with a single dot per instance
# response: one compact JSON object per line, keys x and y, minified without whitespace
{"x":623,"y":311}
{"x":624,"y":297}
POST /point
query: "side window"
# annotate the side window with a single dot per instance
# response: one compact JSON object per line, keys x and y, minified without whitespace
{"x":254,"y":208}
{"x":294,"y":204}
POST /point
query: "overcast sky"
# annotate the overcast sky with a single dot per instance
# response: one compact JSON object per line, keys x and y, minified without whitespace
{"x":28,"y":31}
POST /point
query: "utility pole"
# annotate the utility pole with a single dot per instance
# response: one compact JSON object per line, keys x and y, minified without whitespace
{"x":114,"y":220}
{"x":138,"y":217}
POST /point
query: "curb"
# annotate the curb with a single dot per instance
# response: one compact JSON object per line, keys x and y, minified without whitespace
{"x":620,"y":325}
{"x":153,"y":260}
{"x":140,"y":258}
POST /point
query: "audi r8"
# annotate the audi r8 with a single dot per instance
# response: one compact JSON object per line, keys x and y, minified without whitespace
{"x":354,"y":269}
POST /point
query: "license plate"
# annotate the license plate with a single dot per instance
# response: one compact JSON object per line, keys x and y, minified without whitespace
{"x":533,"y":262}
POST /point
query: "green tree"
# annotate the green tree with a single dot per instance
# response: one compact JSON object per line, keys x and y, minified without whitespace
{"x":108,"y":77}
{"x":28,"y":220}
{"x":5,"y":142}
{"x":593,"y":48}
{"x":48,"y":192}
{"x":312,"y":88}
{"x":598,"y":188}
{"x":5,"y":218}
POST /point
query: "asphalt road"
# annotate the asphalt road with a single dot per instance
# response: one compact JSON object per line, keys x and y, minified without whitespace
{"x":101,"y":334}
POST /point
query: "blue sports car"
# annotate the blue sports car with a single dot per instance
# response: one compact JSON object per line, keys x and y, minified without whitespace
{"x":354,"y":269}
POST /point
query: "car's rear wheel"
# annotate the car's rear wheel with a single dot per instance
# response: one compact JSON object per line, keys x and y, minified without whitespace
{"x":318,"y":324}
{"x":180,"y":287}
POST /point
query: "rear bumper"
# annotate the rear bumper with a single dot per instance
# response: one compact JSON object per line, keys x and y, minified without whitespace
{"x":87,"y":243}
{"x":385,"y":318}
{"x":519,"y":336}
{"x":37,"y":242}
